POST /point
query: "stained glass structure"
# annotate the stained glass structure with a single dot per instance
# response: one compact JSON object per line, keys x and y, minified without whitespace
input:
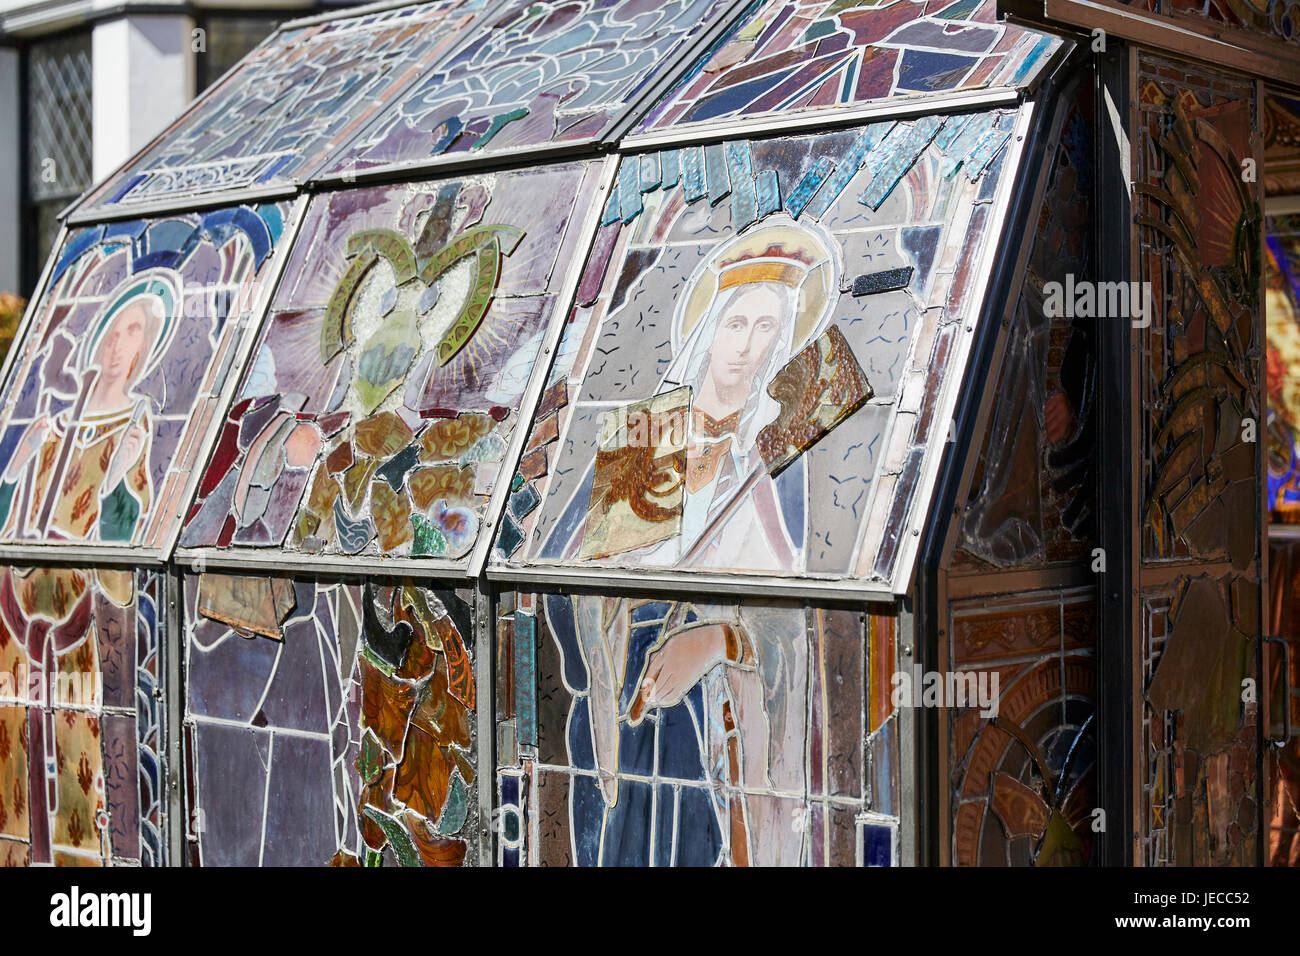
{"x":526,"y":433}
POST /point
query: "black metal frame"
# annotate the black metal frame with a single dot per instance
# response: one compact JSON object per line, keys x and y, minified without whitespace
{"x":1115,"y":456}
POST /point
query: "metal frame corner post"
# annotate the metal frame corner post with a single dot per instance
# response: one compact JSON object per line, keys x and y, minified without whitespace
{"x":1117,"y":505}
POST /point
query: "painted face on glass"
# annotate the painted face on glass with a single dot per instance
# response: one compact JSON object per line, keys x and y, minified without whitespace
{"x":125,"y":342}
{"x":745,"y":336}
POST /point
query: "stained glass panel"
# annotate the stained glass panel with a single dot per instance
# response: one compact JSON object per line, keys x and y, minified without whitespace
{"x":82,"y":779}
{"x":787,"y":56}
{"x":291,"y":101}
{"x":540,"y":74}
{"x":1282,"y":307}
{"x":112,"y":395}
{"x":329,"y":723}
{"x":756,"y":363}
{"x":1199,"y":582}
{"x":376,"y":411}
{"x":641,"y":731}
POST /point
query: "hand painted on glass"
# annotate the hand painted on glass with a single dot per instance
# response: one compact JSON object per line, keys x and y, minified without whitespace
{"x":733,"y":482}
{"x":83,"y":467}
{"x":81,"y":773}
{"x":691,"y":733}
{"x":377,"y":410}
{"x":110,"y":399}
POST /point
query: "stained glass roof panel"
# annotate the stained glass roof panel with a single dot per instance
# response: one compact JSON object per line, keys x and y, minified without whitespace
{"x":288,"y":104}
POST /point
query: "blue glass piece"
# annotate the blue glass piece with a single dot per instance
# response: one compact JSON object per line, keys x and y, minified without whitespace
{"x":926,"y":71}
{"x":129,"y":184}
{"x":961,"y":10}
{"x":848,"y":166}
{"x":910,"y":140}
{"x":1032,"y":61}
{"x":574,"y":514}
{"x":650,"y":611}
{"x":737,"y":97}
{"x":679,"y":749}
{"x":612,"y":208}
{"x":162,"y":259}
{"x":582,"y":755}
{"x":523,"y":501}
{"x":669,"y":167}
{"x":130,"y":229}
{"x":699,"y":841}
{"x":525,"y":644}
{"x":921,"y":243}
{"x":636,"y":748}
{"x":640,"y":642}
{"x":768,"y":189}
{"x":792,"y":493}
{"x":73,"y":248}
{"x":715,"y":172}
{"x":810,"y":183}
{"x":509,"y":790}
{"x":509,"y":858}
{"x":629,"y":193}
{"x":960,"y":146}
{"x":627,"y":826}
{"x":988,"y":146}
{"x":171,"y":235}
{"x":510,"y":537}
{"x":955,"y":126}
{"x":649,"y":172}
{"x":587,"y":807}
{"x":452,"y":128}
{"x":744,"y":197}
{"x":275,"y":167}
{"x":559,"y":615}
{"x":877,"y":845}
{"x":666,"y":824}
{"x":270,"y":214}
{"x":225,"y":222}
{"x":693,"y":173}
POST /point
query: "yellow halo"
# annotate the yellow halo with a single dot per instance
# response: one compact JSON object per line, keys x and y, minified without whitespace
{"x":818,"y":288}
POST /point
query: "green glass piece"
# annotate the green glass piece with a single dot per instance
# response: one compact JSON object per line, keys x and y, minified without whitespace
{"x":457,"y":808}
{"x":466,"y":244}
{"x":498,"y":123}
{"x":398,"y":838}
{"x":389,"y":244}
{"x":488,"y":244}
{"x":370,"y":762}
{"x":118,"y":515}
{"x":334,"y":333}
{"x":429,"y":539}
